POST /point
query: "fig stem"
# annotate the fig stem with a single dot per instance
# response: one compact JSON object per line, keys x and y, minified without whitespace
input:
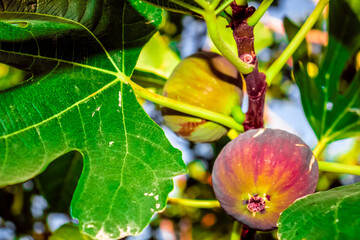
{"x":236,"y":231}
{"x":186,"y":108}
{"x":232,"y":134}
{"x":260,"y":11}
{"x":275,"y":68}
{"x":247,"y":233}
{"x":238,"y":114}
{"x":339,"y":168}
{"x":194,"y":203}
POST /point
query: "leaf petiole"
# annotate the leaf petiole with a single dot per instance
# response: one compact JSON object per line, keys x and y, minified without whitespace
{"x":339,"y":168}
{"x":320,"y":147}
{"x":148,"y":79}
{"x":222,"y":6}
{"x":214,"y":4}
{"x":275,"y":68}
{"x":330,"y":166}
{"x":186,"y":108}
{"x":260,"y":11}
{"x":204,"y":4}
{"x":194,"y":203}
{"x":215,"y":36}
{"x":188,"y":6}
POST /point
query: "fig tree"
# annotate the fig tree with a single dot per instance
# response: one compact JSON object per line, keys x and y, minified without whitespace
{"x":260,"y":173}
{"x":206,"y":80}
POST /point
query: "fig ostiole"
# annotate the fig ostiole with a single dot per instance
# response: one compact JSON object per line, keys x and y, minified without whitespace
{"x":206,"y":80}
{"x":260,"y":173}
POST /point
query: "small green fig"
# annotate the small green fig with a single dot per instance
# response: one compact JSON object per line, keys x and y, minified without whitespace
{"x":206,"y":80}
{"x":260,"y":173}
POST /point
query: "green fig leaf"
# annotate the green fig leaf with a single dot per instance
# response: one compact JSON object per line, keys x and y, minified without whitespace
{"x":80,"y":55}
{"x":180,"y":6}
{"x":332,"y":110}
{"x":331,"y":214}
{"x":183,"y":6}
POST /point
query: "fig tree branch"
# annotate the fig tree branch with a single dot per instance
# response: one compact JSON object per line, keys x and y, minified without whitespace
{"x":255,"y":81}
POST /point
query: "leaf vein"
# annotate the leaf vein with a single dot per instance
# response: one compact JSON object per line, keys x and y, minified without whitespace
{"x":6,"y":156}
{"x":63,"y":111}
{"x":82,"y":26}
{"x":63,"y":61}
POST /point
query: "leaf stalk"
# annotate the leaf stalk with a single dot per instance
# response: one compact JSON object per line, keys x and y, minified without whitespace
{"x":215,"y":3}
{"x":339,"y":168}
{"x":194,"y":203}
{"x":210,"y":18}
{"x":275,"y":68}
{"x":188,"y":6}
{"x":223,"y":6}
{"x":186,"y":108}
{"x":320,"y":147}
{"x":204,"y":4}
{"x":260,"y":11}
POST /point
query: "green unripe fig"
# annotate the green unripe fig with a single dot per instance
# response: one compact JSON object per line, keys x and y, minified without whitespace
{"x":260,"y":173}
{"x":206,"y":80}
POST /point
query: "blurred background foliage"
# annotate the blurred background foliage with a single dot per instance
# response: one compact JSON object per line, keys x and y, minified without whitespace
{"x":39,"y":209}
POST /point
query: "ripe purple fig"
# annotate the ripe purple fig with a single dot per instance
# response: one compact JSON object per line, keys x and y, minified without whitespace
{"x":206,"y":80}
{"x":260,"y":173}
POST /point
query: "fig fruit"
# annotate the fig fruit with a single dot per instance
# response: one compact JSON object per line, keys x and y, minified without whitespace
{"x":206,"y":80}
{"x":260,"y":173}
